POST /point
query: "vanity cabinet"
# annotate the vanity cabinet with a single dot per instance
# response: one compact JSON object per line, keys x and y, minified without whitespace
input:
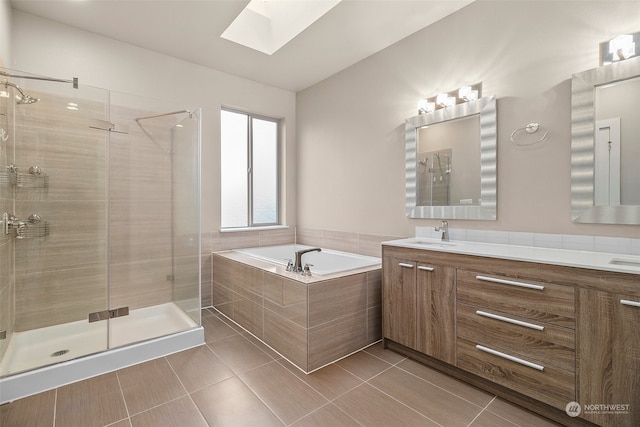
{"x":537,"y":334}
{"x":609,"y":357}
{"x":399,"y":301}
{"x":419,"y":306}
{"x":519,"y":333}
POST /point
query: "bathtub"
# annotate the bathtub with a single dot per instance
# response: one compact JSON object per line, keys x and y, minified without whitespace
{"x":311,"y":321}
{"x":322,"y":263}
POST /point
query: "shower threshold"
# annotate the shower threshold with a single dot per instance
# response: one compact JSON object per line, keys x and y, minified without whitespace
{"x":147,"y":333}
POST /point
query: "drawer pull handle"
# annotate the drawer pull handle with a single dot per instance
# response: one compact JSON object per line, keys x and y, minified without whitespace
{"x":509,"y":320}
{"x":510,"y":282}
{"x":630,"y":303}
{"x":425,"y":268}
{"x":405,"y":265}
{"x":509,"y":357}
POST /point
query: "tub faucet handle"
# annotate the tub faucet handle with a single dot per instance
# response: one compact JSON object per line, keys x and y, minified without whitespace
{"x":307,"y":270}
{"x":290,"y":266}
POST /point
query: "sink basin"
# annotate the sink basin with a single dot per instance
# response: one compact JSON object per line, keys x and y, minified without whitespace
{"x":625,"y":262}
{"x":441,"y":244}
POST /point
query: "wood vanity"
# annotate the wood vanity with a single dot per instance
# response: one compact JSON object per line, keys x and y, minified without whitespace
{"x":539,"y":334}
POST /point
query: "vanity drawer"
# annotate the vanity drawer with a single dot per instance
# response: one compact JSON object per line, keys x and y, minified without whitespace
{"x":539,"y":301}
{"x":543,"y":342}
{"x":545,"y":383}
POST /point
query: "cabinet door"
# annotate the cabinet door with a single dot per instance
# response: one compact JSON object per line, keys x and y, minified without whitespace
{"x":399,"y":301}
{"x":436,"y":318}
{"x":609,"y":358}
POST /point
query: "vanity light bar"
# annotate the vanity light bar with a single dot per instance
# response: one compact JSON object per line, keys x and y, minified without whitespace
{"x":623,"y":47}
{"x":449,"y":99}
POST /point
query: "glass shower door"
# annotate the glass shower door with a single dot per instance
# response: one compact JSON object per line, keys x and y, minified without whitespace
{"x":151,"y":272}
{"x":54,"y":195}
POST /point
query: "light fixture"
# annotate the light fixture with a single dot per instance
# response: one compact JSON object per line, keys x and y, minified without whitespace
{"x":619,"y":48}
{"x":467,"y":93}
{"x":424,"y":106}
{"x":449,"y":99}
{"x":72,"y":106}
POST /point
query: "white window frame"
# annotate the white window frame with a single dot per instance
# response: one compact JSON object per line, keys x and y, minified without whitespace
{"x":250,"y":220}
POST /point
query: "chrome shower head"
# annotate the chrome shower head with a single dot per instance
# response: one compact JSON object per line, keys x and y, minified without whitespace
{"x":27,"y":99}
{"x":24,"y":98}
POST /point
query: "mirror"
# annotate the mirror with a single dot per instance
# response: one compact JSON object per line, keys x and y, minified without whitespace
{"x":451,"y":162}
{"x":605,"y":144}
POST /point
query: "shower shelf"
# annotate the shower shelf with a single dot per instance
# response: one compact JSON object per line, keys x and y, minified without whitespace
{"x":15,"y":178}
{"x":31,"y":231}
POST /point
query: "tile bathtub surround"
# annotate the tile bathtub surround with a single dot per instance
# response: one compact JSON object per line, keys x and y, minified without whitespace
{"x":311,"y":324}
{"x":207,"y":386}
{"x":360,"y":243}
{"x":616,"y":245}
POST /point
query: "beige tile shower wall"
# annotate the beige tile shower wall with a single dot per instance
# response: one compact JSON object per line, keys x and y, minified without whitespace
{"x":141,"y":211}
{"x":7,"y":276}
{"x":61,"y":277}
{"x":6,"y":291}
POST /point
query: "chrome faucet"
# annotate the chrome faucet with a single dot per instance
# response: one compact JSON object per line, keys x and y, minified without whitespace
{"x":444,"y":227}
{"x":297,"y":267}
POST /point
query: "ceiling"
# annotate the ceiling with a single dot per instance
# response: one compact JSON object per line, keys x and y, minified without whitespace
{"x":190,"y":30}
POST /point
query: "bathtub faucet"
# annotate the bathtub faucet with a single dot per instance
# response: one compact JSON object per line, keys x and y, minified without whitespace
{"x":298,"y":265}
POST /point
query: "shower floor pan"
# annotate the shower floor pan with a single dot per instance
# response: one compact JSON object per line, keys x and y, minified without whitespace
{"x":144,"y":334}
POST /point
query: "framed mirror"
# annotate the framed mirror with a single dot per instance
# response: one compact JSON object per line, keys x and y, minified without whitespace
{"x":605,"y":144}
{"x":451,"y":162}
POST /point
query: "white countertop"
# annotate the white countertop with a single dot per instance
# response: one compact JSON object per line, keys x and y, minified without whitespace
{"x":620,"y":263}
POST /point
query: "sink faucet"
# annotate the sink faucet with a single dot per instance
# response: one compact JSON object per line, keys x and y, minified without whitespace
{"x":444,"y":227}
{"x":298,"y":265}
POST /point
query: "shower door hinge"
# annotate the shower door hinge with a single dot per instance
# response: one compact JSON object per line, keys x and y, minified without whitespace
{"x":108,"y":314}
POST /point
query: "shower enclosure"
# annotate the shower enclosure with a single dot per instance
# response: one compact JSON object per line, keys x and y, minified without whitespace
{"x":100,"y":242}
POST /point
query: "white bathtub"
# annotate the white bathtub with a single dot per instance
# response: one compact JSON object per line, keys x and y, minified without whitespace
{"x":322,"y":263}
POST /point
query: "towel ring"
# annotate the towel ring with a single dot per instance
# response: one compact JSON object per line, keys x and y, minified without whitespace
{"x":530,"y":128}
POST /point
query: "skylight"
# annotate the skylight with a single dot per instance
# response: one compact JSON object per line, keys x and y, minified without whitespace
{"x":267,"y":25}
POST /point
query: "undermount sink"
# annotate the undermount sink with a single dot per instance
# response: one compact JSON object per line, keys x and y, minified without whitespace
{"x":625,"y":262}
{"x":421,"y":242}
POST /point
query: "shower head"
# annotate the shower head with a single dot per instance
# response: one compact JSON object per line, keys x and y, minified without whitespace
{"x":24,"y":98}
{"x":28,"y":99}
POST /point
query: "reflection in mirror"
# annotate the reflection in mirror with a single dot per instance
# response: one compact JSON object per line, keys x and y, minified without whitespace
{"x":451,"y":162}
{"x":439,"y":183}
{"x":605,"y":144}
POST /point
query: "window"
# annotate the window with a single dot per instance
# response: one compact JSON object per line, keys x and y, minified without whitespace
{"x":250,"y":177}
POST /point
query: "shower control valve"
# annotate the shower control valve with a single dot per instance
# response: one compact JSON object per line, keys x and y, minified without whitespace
{"x":9,"y":222}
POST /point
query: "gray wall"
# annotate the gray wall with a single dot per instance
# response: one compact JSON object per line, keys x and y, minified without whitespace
{"x":351,"y":126}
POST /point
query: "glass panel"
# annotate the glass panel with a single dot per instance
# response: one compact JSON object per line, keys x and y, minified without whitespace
{"x":265,"y":171}
{"x":234,"y":164}
{"x":186,"y":215}
{"x":57,"y":187}
{"x":154,"y":260}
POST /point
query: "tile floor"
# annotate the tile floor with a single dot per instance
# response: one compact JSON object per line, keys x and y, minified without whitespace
{"x":236,"y":381}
